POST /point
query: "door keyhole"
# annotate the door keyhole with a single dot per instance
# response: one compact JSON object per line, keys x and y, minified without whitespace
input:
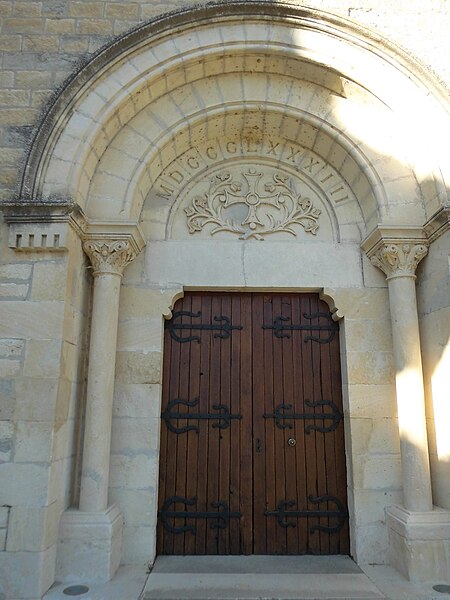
{"x":258,"y":445}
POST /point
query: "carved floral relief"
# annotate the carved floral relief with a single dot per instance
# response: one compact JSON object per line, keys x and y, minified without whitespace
{"x":252,"y":204}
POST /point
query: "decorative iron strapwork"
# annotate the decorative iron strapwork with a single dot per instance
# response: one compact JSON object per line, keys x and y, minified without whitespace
{"x":221,"y":517}
{"x":282,"y":416}
{"x":286,"y":518}
{"x":280,"y":327}
{"x":223,"y":327}
{"x":223,"y":417}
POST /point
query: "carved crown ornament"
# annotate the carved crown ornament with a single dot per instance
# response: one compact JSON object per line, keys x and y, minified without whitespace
{"x":252,"y":206}
{"x":109,"y":256}
{"x":399,"y":259}
{"x":396,"y":256}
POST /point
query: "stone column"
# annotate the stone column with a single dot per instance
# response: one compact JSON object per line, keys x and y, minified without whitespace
{"x":419,"y":534}
{"x":398,"y":260}
{"x":108,"y":258}
{"x":90,"y":538}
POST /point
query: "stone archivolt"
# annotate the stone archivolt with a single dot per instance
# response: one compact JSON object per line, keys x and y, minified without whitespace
{"x":277,"y":209}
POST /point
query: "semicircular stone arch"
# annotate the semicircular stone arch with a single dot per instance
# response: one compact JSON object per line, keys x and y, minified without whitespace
{"x":129,"y":119}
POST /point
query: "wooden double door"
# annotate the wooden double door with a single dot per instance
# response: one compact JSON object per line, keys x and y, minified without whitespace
{"x":252,"y":443}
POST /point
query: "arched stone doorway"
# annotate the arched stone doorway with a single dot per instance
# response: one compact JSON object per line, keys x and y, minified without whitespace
{"x":245,"y":152}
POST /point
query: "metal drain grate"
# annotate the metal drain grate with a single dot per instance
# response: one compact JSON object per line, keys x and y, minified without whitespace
{"x":75,"y":590}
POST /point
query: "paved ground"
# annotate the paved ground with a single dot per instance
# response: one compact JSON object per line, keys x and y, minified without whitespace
{"x":261,"y":578}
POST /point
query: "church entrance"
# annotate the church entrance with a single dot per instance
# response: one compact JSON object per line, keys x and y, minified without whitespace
{"x":252,"y":433}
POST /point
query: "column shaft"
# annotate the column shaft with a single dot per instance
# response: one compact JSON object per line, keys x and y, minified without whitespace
{"x":100,"y":388}
{"x":410,"y":394}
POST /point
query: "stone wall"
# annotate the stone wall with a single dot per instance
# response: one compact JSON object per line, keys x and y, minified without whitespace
{"x":43,"y":330}
{"x":44,"y":325}
{"x":43,"y":43}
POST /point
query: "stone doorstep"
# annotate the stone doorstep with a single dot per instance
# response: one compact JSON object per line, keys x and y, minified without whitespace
{"x":258,"y":578}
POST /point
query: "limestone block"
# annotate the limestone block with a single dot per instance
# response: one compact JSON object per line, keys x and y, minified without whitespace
{"x":14,"y":291}
{"x":138,"y":302}
{"x":372,"y":472}
{"x":36,"y":399}
{"x":9,"y":368}
{"x":370,"y":436}
{"x":11,"y":348}
{"x":419,"y":543}
{"x":363,"y":303}
{"x":15,"y":271}
{"x":131,"y":437}
{"x":131,"y":471}
{"x":16,"y":481}
{"x":64,"y":439}
{"x":89,"y":545}
{"x":3,"y":533}
{"x":7,"y":399}
{"x":72,"y":361}
{"x":4,"y":516}
{"x":137,"y":400}
{"x":64,"y":401}
{"x":373,"y":277}
{"x":146,"y":334}
{"x":33,"y":529}
{"x":371,"y":544}
{"x":368,"y":335}
{"x":370,"y":505}
{"x":33,"y":441}
{"x":6,"y":440}
{"x":42,"y":358}
{"x":371,"y":401}
{"x":60,"y":479}
{"x":138,"y":367}
{"x":27,"y":574}
{"x":137,"y":505}
{"x":370,"y":367}
{"x":49,"y":281}
{"x":139,"y":545}
{"x":31,"y":320}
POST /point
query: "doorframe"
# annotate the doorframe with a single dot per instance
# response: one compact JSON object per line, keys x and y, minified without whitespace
{"x":332,"y":300}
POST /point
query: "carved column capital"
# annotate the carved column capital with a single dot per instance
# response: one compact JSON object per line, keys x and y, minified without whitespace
{"x":109,"y":256}
{"x":396,"y":250}
{"x":112,"y":246}
{"x":398,"y":259}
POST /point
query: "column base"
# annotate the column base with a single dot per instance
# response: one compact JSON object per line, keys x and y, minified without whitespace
{"x":419,"y":543}
{"x":89,"y":545}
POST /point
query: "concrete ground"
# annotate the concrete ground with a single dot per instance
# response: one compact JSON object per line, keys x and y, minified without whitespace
{"x":253,"y":578}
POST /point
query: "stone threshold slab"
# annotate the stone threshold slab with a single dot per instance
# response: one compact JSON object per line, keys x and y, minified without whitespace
{"x":258,"y":578}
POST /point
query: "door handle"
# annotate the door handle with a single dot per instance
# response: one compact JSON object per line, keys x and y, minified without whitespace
{"x":258,"y":445}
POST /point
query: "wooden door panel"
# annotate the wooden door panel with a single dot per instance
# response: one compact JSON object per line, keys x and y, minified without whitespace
{"x":251,"y":372}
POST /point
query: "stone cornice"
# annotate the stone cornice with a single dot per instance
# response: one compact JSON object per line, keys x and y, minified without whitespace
{"x":396,"y":250}
{"x":37,"y":226}
{"x":438,"y":224}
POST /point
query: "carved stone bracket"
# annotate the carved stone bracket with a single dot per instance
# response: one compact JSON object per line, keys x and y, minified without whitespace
{"x":396,"y":251}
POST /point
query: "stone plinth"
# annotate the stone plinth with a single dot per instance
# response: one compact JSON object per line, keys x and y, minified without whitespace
{"x":419,"y":543}
{"x":89,"y":545}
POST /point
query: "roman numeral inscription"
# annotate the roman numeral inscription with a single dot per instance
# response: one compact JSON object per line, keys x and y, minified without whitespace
{"x":199,"y":159}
